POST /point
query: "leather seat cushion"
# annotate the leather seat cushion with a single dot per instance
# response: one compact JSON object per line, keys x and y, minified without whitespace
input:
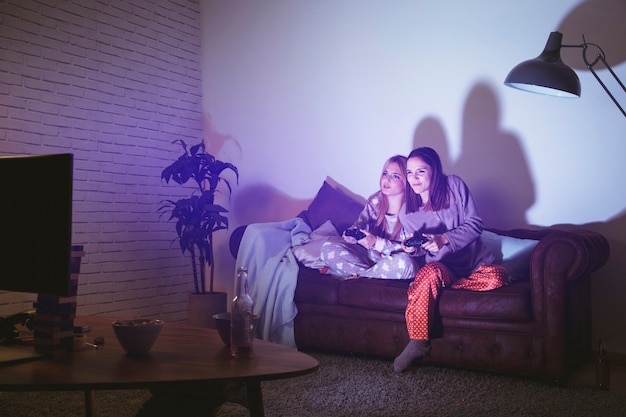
{"x":507,"y":303}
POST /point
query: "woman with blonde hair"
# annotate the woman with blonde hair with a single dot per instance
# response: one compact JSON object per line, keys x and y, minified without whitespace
{"x":376,"y":250}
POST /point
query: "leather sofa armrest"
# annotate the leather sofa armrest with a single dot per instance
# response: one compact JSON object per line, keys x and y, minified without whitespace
{"x":235,"y":240}
{"x":560,"y":268}
{"x":561,"y":256}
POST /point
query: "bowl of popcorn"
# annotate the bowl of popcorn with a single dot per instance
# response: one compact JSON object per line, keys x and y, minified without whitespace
{"x":137,"y":336}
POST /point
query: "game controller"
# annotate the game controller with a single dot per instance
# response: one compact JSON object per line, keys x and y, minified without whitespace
{"x":355,"y":233}
{"x":415,"y":241}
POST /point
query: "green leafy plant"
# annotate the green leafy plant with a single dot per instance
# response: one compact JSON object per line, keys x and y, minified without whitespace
{"x":197,"y":217}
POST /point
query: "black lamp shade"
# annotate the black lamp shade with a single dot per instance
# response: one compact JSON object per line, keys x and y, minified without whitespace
{"x":546,"y":74}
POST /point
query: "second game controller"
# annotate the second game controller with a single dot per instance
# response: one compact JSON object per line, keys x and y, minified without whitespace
{"x":415,"y":241}
{"x":355,"y":233}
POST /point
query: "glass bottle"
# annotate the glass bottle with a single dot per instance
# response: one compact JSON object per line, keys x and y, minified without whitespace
{"x":241,"y":323}
{"x":603,"y":368}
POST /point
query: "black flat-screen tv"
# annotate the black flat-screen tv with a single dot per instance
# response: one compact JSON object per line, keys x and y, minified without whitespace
{"x":36,"y":223}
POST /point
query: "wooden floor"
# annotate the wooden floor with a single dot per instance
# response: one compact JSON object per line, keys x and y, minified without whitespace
{"x":586,"y":375}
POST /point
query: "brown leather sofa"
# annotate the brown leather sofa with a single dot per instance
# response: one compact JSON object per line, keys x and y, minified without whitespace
{"x":538,"y":325}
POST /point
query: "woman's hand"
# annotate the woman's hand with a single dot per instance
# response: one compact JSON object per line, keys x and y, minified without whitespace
{"x":435,"y":242}
{"x":369,"y":241}
{"x":408,"y":249}
{"x":349,"y":239}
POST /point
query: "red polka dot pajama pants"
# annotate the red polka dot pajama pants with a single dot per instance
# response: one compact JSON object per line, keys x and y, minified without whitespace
{"x":426,"y":288}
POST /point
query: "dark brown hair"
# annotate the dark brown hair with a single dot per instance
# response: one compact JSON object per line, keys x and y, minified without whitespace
{"x":438,"y":192}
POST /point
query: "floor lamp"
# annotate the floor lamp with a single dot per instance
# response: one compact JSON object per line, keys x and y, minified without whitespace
{"x":547,"y":74}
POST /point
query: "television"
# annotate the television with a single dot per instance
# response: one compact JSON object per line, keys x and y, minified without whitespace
{"x":36,"y":223}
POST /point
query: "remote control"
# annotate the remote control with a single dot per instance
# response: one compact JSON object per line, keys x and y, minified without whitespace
{"x":355,"y":233}
{"x":415,"y":241}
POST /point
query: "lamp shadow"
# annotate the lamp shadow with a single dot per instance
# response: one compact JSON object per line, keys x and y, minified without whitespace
{"x":602,"y":23}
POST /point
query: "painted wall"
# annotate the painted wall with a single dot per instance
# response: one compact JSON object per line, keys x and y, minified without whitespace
{"x":298,"y":91}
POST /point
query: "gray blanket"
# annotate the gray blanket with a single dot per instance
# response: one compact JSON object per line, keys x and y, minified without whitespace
{"x":265,"y":250}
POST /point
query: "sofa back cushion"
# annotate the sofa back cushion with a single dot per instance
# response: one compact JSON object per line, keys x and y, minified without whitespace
{"x":334,"y":204}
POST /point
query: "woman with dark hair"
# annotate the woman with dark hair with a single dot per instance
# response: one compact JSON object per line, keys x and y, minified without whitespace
{"x":440,"y":209}
{"x":377,"y":252}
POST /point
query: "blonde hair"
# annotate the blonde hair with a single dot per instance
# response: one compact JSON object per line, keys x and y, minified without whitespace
{"x":380,"y":225}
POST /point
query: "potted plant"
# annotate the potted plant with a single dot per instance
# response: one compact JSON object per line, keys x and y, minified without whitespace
{"x":197,"y":218}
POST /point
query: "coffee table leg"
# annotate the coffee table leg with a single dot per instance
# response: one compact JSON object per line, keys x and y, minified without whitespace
{"x":255,"y":399}
{"x":89,"y":403}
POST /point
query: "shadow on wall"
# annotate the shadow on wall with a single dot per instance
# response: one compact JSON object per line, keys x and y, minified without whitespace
{"x":602,"y":23}
{"x":491,"y":162}
{"x":263,"y":203}
{"x":216,"y":142}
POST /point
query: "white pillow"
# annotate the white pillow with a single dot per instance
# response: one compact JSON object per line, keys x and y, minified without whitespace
{"x":309,"y":253}
{"x":512,"y":253}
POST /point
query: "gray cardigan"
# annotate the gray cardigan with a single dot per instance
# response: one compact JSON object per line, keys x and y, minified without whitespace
{"x":462,"y":225}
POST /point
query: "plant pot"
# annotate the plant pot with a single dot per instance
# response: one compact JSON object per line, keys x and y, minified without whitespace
{"x":202,"y":308}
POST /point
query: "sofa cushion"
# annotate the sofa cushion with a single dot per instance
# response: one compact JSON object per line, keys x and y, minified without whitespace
{"x":331,"y":203}
{"x":316,"y":288}
{"x":373,"y":293}
{"x":511,"y":302}
{"x":512,"y":253}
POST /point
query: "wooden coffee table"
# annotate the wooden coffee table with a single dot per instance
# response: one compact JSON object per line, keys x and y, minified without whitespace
{"x":187,"y":364}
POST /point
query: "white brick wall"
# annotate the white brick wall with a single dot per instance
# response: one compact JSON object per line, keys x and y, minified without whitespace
{"x":114,"y":83}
